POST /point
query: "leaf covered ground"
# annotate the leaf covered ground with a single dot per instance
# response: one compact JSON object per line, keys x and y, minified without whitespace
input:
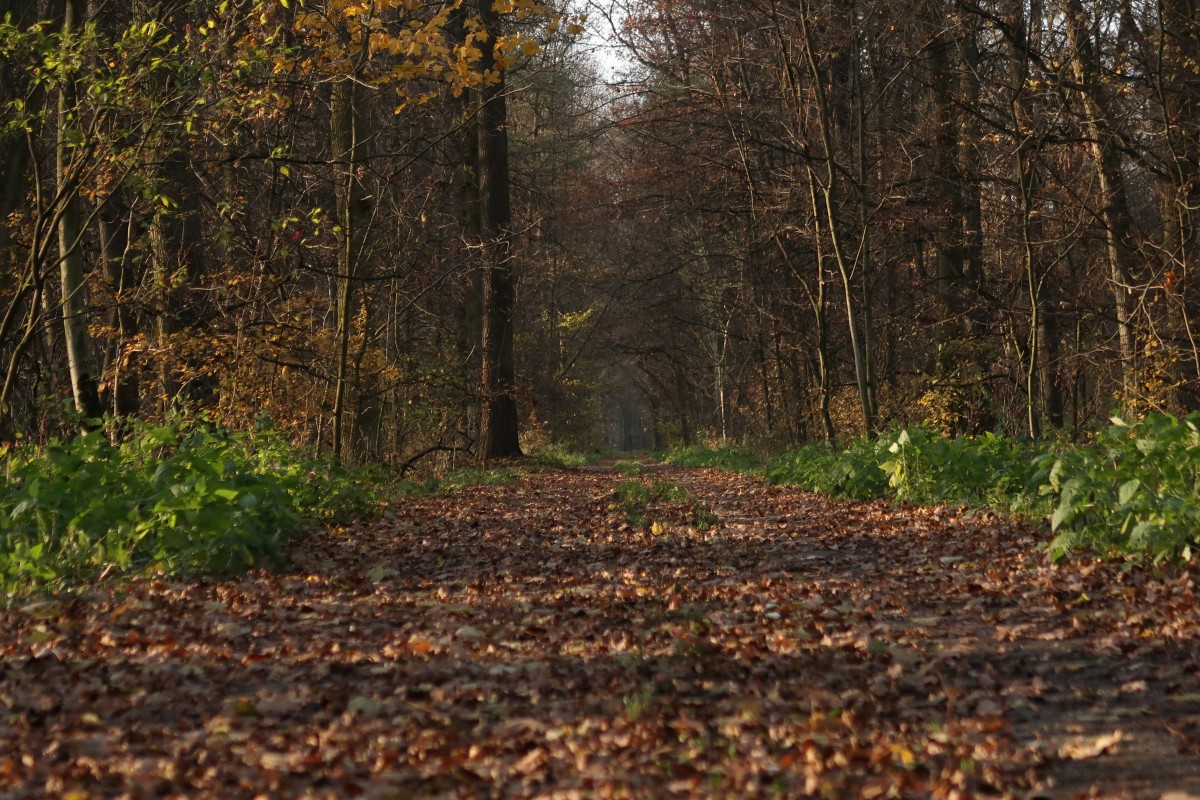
{"x":528,"y":640}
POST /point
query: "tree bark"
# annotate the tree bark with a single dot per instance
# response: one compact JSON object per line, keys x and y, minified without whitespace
{"x":80,"y":360}
{"x":1114,"y":211}
{"x":349,"y":133}
{"x":498,"y":371}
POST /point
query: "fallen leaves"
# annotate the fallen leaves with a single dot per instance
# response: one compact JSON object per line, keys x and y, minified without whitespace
{"x":526,"y":641}
{"x":1090,"y":747}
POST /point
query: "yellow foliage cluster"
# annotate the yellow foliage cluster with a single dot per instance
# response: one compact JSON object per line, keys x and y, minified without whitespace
{"x":1157,"y":384}
{"x":401,"y":43}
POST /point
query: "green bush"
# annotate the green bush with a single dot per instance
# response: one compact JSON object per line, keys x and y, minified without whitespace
{"x":928,"y":467}
{"x":851,"y":474}
{"x":1135,"y":489}
{"x":179,"y":497}
{"x":919,"y":465}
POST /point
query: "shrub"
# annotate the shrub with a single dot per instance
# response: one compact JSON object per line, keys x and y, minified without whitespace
{"x":474,"y":476}
{"x":179,"y":497}
{"x":1135,"y":489}
{"x":630,"y":469}
{"x":852,"y":474}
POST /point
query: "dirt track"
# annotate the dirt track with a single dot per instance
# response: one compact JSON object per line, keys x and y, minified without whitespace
{"x":526,"y":641}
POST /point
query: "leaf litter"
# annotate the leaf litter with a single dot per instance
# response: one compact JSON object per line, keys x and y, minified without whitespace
{"x":528,"y":641}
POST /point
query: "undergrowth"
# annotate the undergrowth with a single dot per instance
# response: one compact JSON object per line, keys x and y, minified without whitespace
{"x":177,"y":497}
{"x":1134,"y":489}
{"x":472,"y":476}
{"x":655,"y":504}
{"x":732,"y":459}
{"x":560,"y":457}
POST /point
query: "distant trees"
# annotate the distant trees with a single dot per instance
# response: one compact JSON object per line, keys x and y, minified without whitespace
{"x":401,"y":227}
{"x":970,"y":213}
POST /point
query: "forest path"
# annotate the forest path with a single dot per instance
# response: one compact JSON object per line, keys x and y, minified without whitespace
{"x":527,"y":641}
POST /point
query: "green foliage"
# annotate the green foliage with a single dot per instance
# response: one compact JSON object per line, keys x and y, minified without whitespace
{"x":928,"y":467}
{"x":472,"y":476}
{"x":919,"y":465}
{"x":647,"y":504}
{"x":852,"y":474}
{"x":630,"y":469}
{"x":558,"y":456}
{"x":180,"y":497}
{"x":733,"y":459}
{"x":1135,"y":489}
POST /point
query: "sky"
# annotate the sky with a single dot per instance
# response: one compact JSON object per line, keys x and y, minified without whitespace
{"x":598,"y":36}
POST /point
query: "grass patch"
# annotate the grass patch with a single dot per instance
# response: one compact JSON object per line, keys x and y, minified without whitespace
{"x":732,"y":459}
{"x":659,"y":503}
{"x":559,"y":457}
{"x":630,"y":469}
{"x":473,"y":476}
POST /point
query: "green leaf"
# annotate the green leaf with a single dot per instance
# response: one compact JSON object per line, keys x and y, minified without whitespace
{"x":367,"y":706}
{"x":1128,"y":491}
{"x":379,"y":572}
{"x":1062,"y":514}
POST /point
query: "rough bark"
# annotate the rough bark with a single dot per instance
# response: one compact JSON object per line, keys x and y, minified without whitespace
{"x":498,"y":372}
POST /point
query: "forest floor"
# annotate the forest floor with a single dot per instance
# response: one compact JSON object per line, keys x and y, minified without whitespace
{"x":527,"y":641}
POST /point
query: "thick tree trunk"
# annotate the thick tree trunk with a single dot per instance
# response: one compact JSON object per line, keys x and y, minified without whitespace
{"x":469,"y":291}
{"x":498,"y":372}
{"x":14,"y":149}
{"x":1178,"y":45}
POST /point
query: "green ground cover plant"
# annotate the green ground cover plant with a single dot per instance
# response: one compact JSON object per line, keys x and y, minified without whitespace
{"x":560,"y":457}
{"x":1134,"y":488}
{"x":177,"y":497}
{"x":726,"y":457}
{"x":473,"y":476}
{"x":630,"y":469}
{"x":645,"y":504}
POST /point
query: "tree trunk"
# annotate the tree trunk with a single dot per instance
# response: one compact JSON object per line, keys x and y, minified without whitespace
{"x":348,"y":134}
{"x":70,"y":234}
{"x":826,"y":176}
{"x":498,"y":371}
{"x":1114,"y":212}
{"x":114,"y":228}
{"x":14,"y":149}
{"x":469,"y":300}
